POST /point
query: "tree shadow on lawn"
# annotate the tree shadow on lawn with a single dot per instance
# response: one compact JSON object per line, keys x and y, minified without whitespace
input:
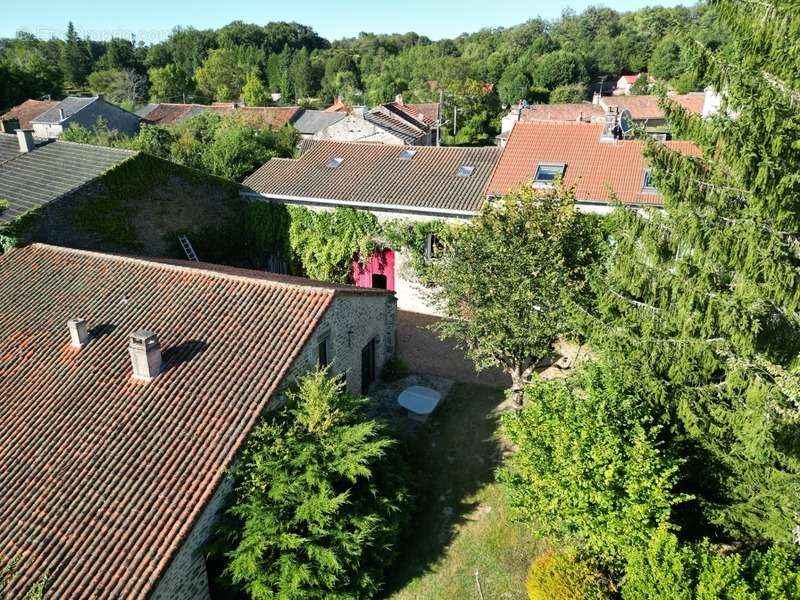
{"x":451,"y":457}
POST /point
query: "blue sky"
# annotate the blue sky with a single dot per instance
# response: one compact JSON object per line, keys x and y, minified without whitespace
{"x":152,"y":20}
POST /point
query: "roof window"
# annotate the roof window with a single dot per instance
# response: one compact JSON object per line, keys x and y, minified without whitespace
{"x":546,"y":174}
{"x":407,"y":154}
{"x":465,"y":171}
{"x":334,"y":163}
{"x":648,"y":185}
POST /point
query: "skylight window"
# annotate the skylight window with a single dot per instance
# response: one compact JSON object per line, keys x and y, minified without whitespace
{"x":648,"y":185}
{"x":546,"y":174}
{"x":334,"y":163}
{"x":465,"y":171}
{"x":407,"y":154}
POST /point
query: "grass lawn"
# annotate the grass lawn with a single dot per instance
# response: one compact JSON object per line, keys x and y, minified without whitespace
{"x":462,"y":525}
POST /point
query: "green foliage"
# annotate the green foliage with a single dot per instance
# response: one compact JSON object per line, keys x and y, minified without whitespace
{"x":507,"y":280}
{"x":664,"y":569}
{"x":561,"y":575}
{"x":222,"y":76}
{"x":575,"y":92}
{"x":700,"y":305}
{"x":589,"y":468}
{"x":326,"y":242}
{"x":3,"y":205}
{"x":254,"y":93}
{"x":35,"y":592}
{"x":316,"y":509}
{"x":394,"y":369}
{"x":168,"y":84}
{"x":75,"y":58}
{"x":412,"y":238}
{"x":642,"y":86}
{"x":559,"y":68}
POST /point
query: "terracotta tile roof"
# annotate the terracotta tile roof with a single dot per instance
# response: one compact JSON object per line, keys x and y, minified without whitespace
{"x":375,"y":174}
{"x":561,"y":112}
{"x":265,"y":117}
{"x":593,"y":167}
{"x":170,"y":113}
{"x":337,"y":106}
{"x":268,"y":117}
{"x":102,"y":477}
{"x":28,"y":110}
{"x":646,"y":107}
{"x":427,"y":113}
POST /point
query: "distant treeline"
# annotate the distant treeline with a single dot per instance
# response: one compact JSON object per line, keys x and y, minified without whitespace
{"x":538,"y":60}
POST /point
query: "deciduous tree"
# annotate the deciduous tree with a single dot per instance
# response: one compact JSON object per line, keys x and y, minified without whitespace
{"x":506,"y":280}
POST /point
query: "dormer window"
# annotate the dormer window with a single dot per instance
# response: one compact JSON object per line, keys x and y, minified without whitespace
{"x":546,"y":174}
{"x":334,"y":163}
{"x":407,"y":154}
{"x":648,"y":186}
{"x":465,"y":171}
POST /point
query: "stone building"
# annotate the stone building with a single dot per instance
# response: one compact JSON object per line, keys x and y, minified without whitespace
{"x":84,"y":112}
{"x":410,"y":183}
{"x":129,"y":387}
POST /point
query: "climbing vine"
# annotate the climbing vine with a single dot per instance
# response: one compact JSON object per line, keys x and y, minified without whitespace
{"x":413,"y":237}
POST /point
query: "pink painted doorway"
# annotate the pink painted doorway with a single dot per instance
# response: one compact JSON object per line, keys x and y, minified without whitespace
{"x":376,"y":272}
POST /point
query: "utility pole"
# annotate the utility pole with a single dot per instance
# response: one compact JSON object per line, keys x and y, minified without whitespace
{"x":439,"y":119}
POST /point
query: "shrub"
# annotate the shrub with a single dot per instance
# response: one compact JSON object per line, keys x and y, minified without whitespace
{"x":394,"y":369}
{"x":664,"y":569}
{"x":562,"y":576}
{"x":575,"y":92}
{"x":589,"y":468}
{"x":317,"y":507}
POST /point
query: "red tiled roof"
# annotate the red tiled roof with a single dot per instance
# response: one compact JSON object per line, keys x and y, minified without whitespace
{"x":102,"y":477}
{"x":337,"y":106}
{"x":593,"y":167}
{"x":630,"y":78}
{"x":427,"y":113}
{"x":561,"y":112}
{"x":646,"y":107}
{"x":28,"y":110}
{"x":170,"y":113}
{"x":268,"y":117}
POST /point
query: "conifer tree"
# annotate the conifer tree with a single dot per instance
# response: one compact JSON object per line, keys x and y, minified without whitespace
{"x":701,"y":301}
{"x":316,"y":509}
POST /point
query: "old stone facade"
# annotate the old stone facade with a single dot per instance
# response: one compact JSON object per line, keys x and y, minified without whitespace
{"x":355,"y":128}
{"x":350,"y":324}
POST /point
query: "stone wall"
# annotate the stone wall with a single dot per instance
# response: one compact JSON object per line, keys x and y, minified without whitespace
{"x":354,"y":128}
{"x":350,"y":323}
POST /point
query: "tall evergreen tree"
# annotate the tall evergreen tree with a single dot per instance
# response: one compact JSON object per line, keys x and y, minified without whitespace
{"x":701,"y":301}
{"x":75,"y":58}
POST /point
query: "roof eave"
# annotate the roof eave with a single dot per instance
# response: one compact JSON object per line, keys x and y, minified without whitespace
{"x":445,"y":212}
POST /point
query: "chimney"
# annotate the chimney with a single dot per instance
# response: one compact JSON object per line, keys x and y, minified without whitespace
{"x":596,"y":98}
{"x":61,"y":116}
{"x":359,"y":111}
{"x":25,"y":138}
{"x":145,"y":351}
{"x":78,"y":333}
{"x":399,"y":99}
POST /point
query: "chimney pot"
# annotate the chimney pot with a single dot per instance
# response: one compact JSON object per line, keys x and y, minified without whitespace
{"x":78,"y":332}
{"x":399,"y":99}
{"x":25,"y":139}
{"x":145,"y":351}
